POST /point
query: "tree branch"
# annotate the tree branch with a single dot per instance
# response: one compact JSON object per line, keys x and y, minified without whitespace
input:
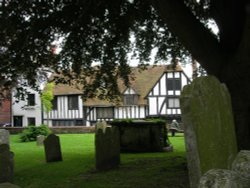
{"x":200,"y":42}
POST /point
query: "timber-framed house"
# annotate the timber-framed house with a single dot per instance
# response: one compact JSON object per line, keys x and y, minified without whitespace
{"x":154,"y":92}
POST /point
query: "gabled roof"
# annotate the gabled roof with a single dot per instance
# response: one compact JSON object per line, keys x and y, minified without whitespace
{"x":143,"y":82}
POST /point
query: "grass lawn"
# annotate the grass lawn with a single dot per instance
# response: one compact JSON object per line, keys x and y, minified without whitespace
{"x":140,"y":170}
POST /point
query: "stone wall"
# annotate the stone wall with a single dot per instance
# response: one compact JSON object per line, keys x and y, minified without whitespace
{"x":56,"y":130}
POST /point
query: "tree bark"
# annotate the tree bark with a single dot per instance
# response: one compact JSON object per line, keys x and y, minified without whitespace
{"x":236,"y":75}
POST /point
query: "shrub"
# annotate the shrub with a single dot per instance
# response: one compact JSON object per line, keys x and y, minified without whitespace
{"x":31,"y":132}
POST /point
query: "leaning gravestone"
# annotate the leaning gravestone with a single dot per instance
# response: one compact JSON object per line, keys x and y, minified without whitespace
{"x":52,"y":148}
{"x":209,"y":127}
{"x":107,"y":147}
{"x":6,"y":164}
{"x":4,"y":136}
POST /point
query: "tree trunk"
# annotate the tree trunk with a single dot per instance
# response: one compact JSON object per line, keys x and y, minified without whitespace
{"x":236,"y":75}
{"x":240,"y":92}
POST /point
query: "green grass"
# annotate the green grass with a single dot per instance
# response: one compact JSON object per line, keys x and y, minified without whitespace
{"x":145,"y":170}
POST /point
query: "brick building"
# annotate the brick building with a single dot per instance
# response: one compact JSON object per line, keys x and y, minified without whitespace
{"x":5,"y":111}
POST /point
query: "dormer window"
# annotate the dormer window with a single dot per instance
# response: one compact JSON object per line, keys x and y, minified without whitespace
{"x":174,"y":84}
{"x":130,"y":99}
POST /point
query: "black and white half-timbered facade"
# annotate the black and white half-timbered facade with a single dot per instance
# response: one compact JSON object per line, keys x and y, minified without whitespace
{"x":163,"y":99}
{"x":153,"y":92}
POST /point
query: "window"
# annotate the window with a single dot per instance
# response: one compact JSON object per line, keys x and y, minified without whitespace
{"x":173,"y":84}
{"x":18,"y":121}
{"x":130,"y":99}
{"x":68,"y":122}
{"x":73,"y":102}
{"x":63,"y":123}
{"x":31,"y":121}
{"x":173,"y":103}
{"x":54,"y":103}
{"x":105,"y":112}
{"x":31,"y":99}
{"x":80,"y":123}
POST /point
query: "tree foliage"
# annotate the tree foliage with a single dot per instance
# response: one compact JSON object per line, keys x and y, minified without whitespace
{"x":47,"y":97}
{"x":92,"y":31}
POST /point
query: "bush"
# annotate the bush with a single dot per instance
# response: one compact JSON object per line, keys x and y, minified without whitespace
{"x":31,"y":132}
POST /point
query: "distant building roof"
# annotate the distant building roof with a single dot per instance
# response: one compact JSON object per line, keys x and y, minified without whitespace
{"x":143,"y":82}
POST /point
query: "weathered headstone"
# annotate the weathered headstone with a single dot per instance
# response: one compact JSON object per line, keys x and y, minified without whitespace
{"x":222,"y":178}
{"x":52,"y":148}
{"x":8,"y":185}
{"x":40,"y":139}
{"x":107,"y":148}
{"x":6,"y":164}
{"x":241,"y":164}
{"x":237,"y":177}
{"x":4,"y":136}
{"x":209,"y":127}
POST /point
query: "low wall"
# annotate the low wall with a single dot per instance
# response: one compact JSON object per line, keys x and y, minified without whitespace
{"x":56,"y":130}
{"x":75,"y":129}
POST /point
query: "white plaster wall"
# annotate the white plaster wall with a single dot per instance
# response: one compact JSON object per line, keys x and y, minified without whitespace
{"x":21,"y":109}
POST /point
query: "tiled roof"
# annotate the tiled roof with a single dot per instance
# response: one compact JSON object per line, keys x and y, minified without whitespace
{"x":143,"y":82}
{"x":64,"y":89}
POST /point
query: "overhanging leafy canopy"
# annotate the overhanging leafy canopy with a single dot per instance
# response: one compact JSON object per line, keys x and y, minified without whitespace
{"x":92,"y":31}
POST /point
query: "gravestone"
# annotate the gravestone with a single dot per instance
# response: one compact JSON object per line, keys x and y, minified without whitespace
{"x":241,"y":164}
{"x":4,"y":136}
{"x":52,"y":148}
{"x":222,"y":178}
{"x":107,"y":148}
{"x":208,"y":126}
{"x":6,"y":164}
{"x":40,"y":139}
{"x":237,"y":177}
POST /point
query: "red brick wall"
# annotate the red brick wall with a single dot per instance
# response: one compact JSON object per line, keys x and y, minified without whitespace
{"x":5,"y":111}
